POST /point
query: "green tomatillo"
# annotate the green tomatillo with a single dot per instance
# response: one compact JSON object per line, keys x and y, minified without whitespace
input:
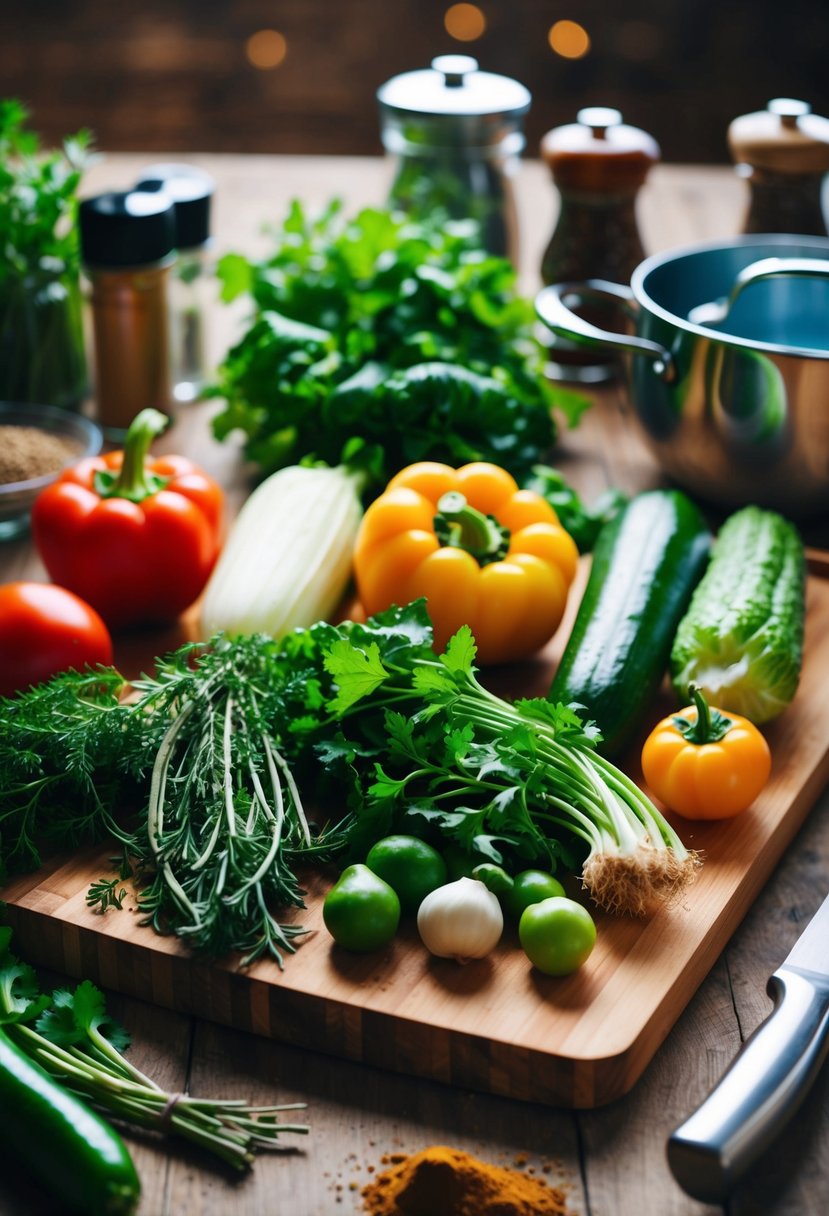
{"x":410,"y":866}
{"x":557,"y":935}
{"x":361,"y":911}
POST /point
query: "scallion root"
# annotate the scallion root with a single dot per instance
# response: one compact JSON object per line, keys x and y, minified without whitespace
{"x":640,"y":881}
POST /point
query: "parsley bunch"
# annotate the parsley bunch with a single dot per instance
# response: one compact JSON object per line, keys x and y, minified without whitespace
{"x":38,"y":197}
{"x":70,"y":1035}
{"x":491,"y":774}
{"x":41,"y":333}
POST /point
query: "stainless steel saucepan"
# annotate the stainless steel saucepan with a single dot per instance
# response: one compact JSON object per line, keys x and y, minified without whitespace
{"x":728,"y":364}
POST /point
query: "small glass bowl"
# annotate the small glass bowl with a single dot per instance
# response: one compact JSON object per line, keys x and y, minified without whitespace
{"x":17,"y":497}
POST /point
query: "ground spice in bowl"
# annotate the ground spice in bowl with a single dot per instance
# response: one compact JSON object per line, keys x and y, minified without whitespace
{"x":454,"y":1183}
{"x":27,"y":452}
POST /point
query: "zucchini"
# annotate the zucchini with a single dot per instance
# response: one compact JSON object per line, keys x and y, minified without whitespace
{"x":741,"y":640}
{"x":646,"y":563}
{"x":63,"y":1144}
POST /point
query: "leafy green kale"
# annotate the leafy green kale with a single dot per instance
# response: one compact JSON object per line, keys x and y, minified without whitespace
{"x":382,"y":341}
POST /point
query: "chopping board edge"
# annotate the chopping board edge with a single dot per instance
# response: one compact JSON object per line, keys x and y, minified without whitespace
{"x":232,"y":998}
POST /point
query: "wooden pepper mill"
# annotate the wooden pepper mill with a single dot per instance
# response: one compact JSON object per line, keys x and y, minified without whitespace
{"x":598,"y":165}
{"x":783,"y":152}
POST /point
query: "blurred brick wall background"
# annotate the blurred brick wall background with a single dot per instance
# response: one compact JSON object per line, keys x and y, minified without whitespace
{"x":300,"y":75}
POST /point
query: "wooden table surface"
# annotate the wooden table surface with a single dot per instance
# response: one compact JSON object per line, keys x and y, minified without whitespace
{"x":612,"y":1160}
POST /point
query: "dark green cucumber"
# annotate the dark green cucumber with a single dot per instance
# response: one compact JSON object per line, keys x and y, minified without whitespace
{"x":61,"y":1143}
{"x":646,"y":563}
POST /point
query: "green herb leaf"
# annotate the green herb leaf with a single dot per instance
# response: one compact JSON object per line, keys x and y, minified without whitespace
{"x":357,"y":672}
{"x":460,"y":651}
{"x":380,"y":341}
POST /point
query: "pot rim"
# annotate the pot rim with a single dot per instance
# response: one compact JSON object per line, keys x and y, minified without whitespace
{"x":781,"y":240}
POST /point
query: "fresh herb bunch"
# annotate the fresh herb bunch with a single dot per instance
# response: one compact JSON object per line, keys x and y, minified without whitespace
{"x":65,"y":765}
{"x":70,"y":1035}
{"x":38,"y":197}
{"x":382,"y":341}
{"x":491,"y":773}
{"x":216,"y":747}
{"x":42,"y":354}
{"x":217,"y":823}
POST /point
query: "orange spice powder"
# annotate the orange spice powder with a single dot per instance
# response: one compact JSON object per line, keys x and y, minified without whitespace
{"x":454,"y":1183}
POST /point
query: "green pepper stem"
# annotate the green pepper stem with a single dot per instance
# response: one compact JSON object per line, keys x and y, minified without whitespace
{"x":709,"y":727}
{"x":461,"y":526}
{"x":133,"y":481}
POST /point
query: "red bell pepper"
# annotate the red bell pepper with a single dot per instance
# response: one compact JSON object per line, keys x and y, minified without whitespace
{"x":135,"y":537}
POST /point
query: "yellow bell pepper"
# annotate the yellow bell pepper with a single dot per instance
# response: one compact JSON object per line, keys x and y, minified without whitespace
{"x":481,"y":551}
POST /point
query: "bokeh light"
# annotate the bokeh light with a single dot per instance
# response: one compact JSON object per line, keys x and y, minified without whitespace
{"x":465,"y":22}
{"x":569,"y":39}
{"x":266,"y":49}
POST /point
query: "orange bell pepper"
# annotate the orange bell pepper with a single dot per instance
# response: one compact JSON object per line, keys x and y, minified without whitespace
{"x":481,"y":551}
{"x":705,"y":764}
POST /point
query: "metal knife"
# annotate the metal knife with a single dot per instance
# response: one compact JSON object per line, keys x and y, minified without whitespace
{"x":768,"y":1079}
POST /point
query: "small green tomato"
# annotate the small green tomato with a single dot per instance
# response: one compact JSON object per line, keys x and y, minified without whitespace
{"x":530,"y":887}
{"x":361,"y":912}
{"x":557,"y":935}
{"x":410,"y":866}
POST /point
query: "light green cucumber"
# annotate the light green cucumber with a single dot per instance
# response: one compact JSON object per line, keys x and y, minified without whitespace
{"x":741,"y":640}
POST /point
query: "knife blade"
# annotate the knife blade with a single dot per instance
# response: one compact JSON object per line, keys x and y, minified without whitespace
{"x":768,"y":1078}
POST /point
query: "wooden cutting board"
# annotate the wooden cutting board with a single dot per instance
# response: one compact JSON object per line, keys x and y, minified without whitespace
{"x":496,"y":1024}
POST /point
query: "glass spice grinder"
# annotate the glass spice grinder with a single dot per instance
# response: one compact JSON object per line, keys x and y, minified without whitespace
{"x":457,"y":133}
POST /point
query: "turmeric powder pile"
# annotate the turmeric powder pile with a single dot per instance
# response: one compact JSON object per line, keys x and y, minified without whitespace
{"x":453,"y":1183}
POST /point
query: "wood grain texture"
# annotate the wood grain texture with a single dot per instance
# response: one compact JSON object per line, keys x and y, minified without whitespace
{"x":612,"y":1159}
{"x":495,"y":1024}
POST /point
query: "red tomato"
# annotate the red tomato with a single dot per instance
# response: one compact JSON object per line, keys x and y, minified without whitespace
{"x":45,"y":629}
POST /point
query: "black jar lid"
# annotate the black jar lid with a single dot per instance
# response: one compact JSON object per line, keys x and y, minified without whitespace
{"x":191,"y":190}
{"x":126,"y":228}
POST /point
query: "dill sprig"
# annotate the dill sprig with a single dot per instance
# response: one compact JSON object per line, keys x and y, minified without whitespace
{"x":216,"y":825}
{"x":66,"y":761}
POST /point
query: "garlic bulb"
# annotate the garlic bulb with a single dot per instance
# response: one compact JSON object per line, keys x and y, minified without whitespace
{"x":461,"y":920}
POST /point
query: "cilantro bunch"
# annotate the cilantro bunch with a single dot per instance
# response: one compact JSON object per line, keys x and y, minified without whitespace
{"x":71,"y":1036}
{"x":381,"y":341}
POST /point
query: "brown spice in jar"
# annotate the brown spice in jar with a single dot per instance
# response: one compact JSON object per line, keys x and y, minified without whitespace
{"x":454,"y":1183}
{"x":27,"y":451}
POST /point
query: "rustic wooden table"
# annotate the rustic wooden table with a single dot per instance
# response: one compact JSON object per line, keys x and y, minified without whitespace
{"x":611,"y":1160}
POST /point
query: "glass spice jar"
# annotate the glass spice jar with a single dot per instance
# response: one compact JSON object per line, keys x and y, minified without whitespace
{"x":456,"y":133}
{"x":127,"y":249}
{"x":191,"y":190}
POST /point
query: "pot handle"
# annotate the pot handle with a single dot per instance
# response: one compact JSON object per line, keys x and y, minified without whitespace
{"x":766,"y":268}
{"x":554,"y":304}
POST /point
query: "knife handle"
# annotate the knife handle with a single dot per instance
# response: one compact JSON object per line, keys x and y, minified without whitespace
{"x":760,"y":1091}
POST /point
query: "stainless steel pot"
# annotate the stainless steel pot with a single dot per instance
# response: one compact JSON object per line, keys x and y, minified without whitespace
{"x":735,"y":407}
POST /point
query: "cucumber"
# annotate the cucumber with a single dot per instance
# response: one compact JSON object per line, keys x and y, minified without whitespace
{"x":646,"y":563}
{"x":741,"y":640}
{"x":63,"y":1144}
